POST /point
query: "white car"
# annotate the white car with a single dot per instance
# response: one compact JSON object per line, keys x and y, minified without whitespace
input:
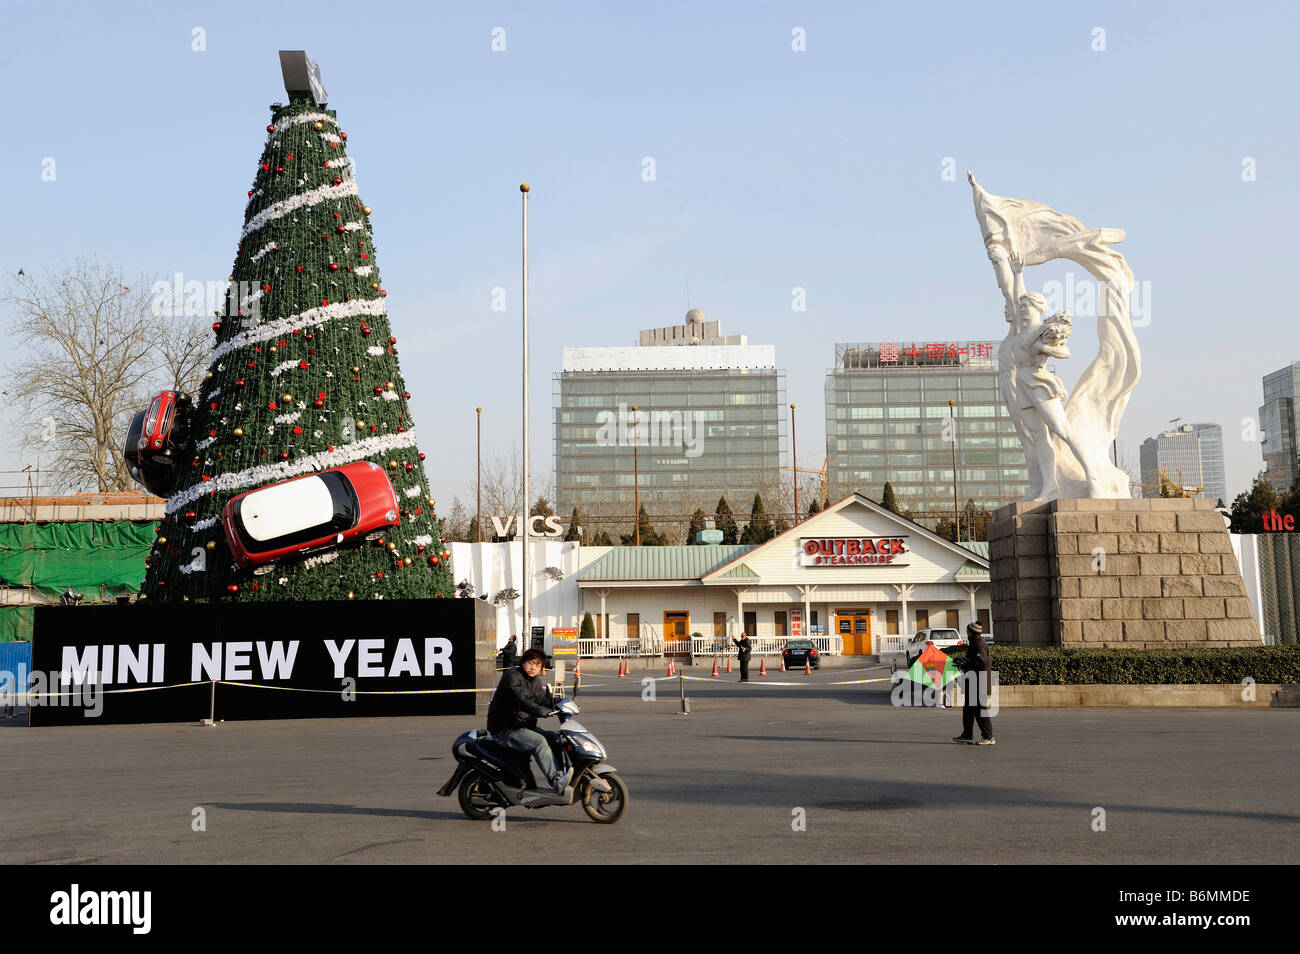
{"x":943,"y":639}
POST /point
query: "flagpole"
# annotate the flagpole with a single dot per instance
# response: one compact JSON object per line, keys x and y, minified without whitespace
{"x":523,"y":516}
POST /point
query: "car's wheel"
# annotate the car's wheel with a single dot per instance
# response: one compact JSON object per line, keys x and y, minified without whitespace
{"x":605,"y":807}
{"x":475,"y":786}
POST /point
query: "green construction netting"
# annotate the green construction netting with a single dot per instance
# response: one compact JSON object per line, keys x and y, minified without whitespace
{"x":98,"y":559}
{"x":15,"y":623}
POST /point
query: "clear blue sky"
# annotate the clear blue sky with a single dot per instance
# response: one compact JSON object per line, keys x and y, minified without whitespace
{"x":774,"y":169}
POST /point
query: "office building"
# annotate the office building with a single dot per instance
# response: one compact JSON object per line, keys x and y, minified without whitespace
{"x":887,"y":419}
{"x":1277,"y":422}
{"x":1191,"y":456}
{"x":709,"y":421}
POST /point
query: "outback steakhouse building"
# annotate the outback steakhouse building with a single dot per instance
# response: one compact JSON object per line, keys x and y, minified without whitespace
{"x":855,"y":570}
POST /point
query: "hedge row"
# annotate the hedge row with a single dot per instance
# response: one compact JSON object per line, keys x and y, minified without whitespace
{"x":1020,"y":666}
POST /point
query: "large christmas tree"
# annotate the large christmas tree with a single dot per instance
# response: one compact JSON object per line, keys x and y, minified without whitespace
{"x":303,"y":377}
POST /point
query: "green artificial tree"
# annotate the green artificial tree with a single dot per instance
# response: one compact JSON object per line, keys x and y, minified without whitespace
{"x":304,"y":376}
{"x":888,"y":500}
{"x":588,"y":629}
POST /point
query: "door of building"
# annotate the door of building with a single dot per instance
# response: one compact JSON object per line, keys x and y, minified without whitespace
{"x":778,"y":619}
{"x":751,"y":625}
{"x":677,"y":633}
{"x":633,"y":629}
{"x":853,"y":626}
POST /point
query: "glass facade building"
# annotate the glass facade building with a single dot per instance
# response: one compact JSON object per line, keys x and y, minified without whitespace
{"x":709,"y":421}
{"x":1191,"y":456}
{"x":1277,"y":421}
{"x":887,"y":419}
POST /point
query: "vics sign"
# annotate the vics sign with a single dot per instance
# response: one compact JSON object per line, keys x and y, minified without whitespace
{"x":854,"y":551}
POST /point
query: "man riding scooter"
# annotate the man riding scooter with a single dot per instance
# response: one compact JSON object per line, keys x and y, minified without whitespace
{"x":520,"y":700}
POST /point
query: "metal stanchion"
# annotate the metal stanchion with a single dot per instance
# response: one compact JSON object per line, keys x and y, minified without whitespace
{"x":212,"y":706}
{"x":686,"y":703}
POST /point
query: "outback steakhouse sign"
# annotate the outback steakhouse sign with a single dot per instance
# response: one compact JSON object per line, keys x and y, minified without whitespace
{"x":854,"y":551}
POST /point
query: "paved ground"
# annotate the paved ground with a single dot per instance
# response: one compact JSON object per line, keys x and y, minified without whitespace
{"x":877,"y":784}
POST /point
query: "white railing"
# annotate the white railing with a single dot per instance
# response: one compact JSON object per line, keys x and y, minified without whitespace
{"x":890,"y":644}
{"x":764,"y":646}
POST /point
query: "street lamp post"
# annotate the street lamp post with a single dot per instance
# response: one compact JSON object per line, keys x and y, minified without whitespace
{"x":523,"y":516}
{"x":794,"y":466}
{"x":478,"y":477}
{"x":956,"y":514}
{"x":636,"y":486}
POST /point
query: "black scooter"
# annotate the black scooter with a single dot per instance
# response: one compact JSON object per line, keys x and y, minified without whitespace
{"x":490,"y":776}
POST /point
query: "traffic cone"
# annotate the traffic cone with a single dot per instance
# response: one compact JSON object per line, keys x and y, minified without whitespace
{"x":577,"y":673}
{"x":715,"y":667}
{"x":762,"y":667}
{"x":728,"y":664}
{"x":807,"y":668}
{"x":783,"y":663}
{"x":622,"y":671}
{"x":670,"y":667}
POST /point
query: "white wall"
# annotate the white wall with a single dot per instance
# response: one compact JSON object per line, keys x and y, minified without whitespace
{"x":493,"y":567}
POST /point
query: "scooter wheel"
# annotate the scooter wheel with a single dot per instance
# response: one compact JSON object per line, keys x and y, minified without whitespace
{"x":471,"y":786}
{"x":605,"y":807}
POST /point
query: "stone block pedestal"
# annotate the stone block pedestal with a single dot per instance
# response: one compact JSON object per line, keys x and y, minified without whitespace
{"x":1144,"y":573}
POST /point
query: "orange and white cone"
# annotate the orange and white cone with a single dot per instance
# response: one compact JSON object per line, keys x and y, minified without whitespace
{"x":622,"y":671}
{"x":807,"y":668}
{"x":728,"y":664}
{"x":670,"y":667}
{"x":715,"y":667}
{"x":762,"y":667}
{"x":783,"y":664}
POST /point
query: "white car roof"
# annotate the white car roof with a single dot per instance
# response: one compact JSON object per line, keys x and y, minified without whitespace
{"x":286,"y":508}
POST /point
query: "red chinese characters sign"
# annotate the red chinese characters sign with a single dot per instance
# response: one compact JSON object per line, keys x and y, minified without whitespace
{"x":891,"y":352}
{"x":854,"y":551}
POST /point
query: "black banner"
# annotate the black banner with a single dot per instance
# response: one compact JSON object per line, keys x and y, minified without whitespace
{"x":160,"y":663}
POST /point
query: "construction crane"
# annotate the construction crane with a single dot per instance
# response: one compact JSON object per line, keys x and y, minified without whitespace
{"x":1172,"y":489}
{"x":823,"y":483}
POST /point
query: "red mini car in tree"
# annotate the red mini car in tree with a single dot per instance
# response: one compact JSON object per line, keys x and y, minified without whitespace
{"x":153,"y":438}
{"x":309,"y":513}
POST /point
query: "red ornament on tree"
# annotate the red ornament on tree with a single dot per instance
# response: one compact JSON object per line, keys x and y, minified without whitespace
{"x":334,"y":266}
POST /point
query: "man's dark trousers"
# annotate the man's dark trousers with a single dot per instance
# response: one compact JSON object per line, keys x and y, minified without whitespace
{"x":744,"y":669}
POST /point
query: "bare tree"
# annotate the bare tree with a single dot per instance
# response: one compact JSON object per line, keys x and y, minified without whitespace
{"x":503,"y":489}
{"x":90,"y":349}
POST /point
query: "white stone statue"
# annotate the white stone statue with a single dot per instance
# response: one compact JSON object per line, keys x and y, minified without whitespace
{"x":1067,"y":441}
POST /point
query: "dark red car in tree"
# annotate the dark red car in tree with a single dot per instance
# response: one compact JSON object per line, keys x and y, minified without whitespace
{"x":312,"y":512}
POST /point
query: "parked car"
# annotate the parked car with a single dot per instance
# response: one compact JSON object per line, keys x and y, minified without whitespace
{"x":944,"y":639}
{"x":800,"y":651}
{"x":313,"y":512}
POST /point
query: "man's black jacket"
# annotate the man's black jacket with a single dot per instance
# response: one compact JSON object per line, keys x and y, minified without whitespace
{"x":743,"y":644}
{"x":520,"y":700}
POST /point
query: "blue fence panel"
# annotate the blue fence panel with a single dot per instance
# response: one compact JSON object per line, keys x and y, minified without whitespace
{"x":13,"y":656}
